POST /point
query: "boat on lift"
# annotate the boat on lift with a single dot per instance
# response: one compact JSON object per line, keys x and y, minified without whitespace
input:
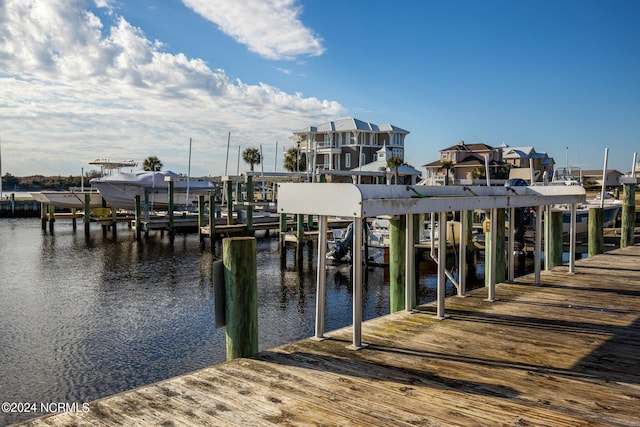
{"x":120,"y":190}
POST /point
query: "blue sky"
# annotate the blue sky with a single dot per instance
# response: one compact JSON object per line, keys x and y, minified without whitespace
{"x":81,"y":80}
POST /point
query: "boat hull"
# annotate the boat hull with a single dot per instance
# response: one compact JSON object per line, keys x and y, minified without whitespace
{"x":152,"y":188}
{"x":611,"y":211}
{"x":69,"y":199}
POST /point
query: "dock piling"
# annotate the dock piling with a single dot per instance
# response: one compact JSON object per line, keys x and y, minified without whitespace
{"x":397,"y":261}
{"x":596,"y":228}
{"x":627,"y":235}
{"x":241,"y":289}
{"x":555,"y":239}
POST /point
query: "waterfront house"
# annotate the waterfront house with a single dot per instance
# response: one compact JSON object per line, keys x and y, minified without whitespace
{"x":525,"y":157}
{"x":463,"y":162}
{"x":347,"y":144}
{"x":593,"y":178}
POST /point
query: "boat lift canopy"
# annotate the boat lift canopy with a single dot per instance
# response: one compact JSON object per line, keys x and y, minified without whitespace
{"x":370,"y":200}
{"x":361,"y":201}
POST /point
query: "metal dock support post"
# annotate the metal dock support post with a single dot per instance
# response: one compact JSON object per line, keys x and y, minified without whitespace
{"x":357,"y":283}
{"x":493,"y":254}
{"x":321,"y":277}
{"x":410,"y":258}
{"x":572,"y":239}
{"x":538,"y":244}
{"x":462,"y":262}
{"x":442,"y":263}
{"x":511,"y":245}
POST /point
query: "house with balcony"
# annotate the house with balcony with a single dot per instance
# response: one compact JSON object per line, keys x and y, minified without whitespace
{"x":347,"y":144}
{"x":463,"y":162}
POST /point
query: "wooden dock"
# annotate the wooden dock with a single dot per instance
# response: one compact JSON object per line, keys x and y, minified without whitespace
{"x":565,"y":352}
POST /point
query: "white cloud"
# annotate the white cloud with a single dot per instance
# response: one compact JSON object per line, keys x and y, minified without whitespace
{"x":74,"y":88}
{"x":270,"y":28}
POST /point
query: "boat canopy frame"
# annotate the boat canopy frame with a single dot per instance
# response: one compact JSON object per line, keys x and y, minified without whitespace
{"x":361,"y":201}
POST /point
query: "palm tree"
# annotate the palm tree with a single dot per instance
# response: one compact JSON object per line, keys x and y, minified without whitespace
{"x":252,"y":156}
{"x":152,"y":163}
{"x":294,"y":161}
{"x":394,"y":162}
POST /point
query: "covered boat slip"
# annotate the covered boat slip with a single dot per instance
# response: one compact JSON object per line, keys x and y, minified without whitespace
{"x":362,"y":201}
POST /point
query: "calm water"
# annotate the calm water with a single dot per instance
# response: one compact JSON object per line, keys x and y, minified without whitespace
{"x":81,"y":319}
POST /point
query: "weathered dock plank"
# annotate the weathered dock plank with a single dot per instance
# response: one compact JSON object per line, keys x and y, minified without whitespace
{"x":563,"y":352}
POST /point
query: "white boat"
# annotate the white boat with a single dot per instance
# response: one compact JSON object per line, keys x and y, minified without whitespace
{"x":611,"y":209}
{"x":69,"y":199}
{"x":121,"y":190}
{"x":571,"y":175}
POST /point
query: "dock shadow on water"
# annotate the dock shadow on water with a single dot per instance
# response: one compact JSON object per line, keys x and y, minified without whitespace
{"x":85,"y":318}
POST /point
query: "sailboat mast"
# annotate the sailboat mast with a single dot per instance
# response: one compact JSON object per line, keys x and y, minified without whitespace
{"x":226,"y":163}
{"x":275,"y":161}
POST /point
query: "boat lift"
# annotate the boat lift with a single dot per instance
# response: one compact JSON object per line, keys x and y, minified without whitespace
{"x":361,"y":201}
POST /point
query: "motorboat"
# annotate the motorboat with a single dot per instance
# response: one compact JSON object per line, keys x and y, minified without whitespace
{"x":571,"y":175}
{"x":610,"y":206}
{"x":121,"y":190}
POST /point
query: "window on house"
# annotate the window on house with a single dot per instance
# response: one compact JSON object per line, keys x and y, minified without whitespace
{"x":363,"y":158}
{"x":347,"y":160}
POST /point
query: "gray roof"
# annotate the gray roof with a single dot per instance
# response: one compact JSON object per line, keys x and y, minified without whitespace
{"x":515,"y":152}
{"x":351,"y":124}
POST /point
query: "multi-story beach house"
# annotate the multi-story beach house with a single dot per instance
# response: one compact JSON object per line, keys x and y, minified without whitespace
{"x":463,"y":162}
{"x":347,"y":144}
{"x":459,"y":161}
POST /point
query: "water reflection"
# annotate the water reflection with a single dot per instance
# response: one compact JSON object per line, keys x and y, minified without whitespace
{"x":84,"y":318}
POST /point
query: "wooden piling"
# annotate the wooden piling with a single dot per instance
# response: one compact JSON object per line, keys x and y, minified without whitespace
{"x":138,"y":218}
{"x":241,"y":289}
{"x":201,"y":219}
{"x":170,"y":208}
{"x":596,"y":231}
{"x":74,"y":221}
{"x":229,"y":202}
{"x":212,"y":222}
{"x":52,"y":217}
{"x":282,"y":235}
{"x":555,"y":239}
{"x":44,"y":211}
{"x":467,"y":217}
{"x":397,"y":261}
{"x":86,"y":217}
{"x":299,"y":240}
{"x":627,"y":234}
{"x":114,"y":222}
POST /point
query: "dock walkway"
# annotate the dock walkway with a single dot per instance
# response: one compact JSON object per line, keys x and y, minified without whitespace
{"x":565,"y":352}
